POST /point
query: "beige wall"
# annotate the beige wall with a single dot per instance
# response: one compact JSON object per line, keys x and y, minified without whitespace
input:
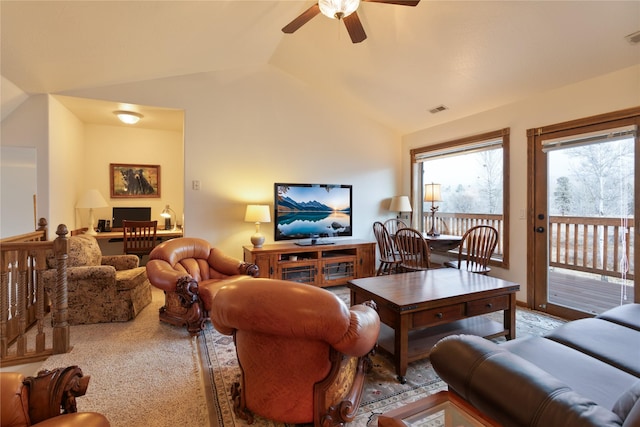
{"x":80,"y":154}
{"x":246,"y":130}
{"x":66,"y":163}
{"x":611,"y":92}
{"x":130,"y":145}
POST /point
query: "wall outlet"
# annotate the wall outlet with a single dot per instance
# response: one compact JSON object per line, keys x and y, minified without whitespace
{"x":195,"y":184}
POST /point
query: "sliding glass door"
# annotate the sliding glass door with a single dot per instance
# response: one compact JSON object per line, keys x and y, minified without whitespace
{"x":584,"y":223}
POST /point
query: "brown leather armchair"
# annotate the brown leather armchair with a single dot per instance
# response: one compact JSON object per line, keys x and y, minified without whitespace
{"x":37,"y":401}
{"x":303,"y":353}
{"x":190,"y":272}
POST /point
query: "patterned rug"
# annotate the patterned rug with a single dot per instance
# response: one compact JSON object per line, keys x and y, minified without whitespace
{"x":382,"y":391}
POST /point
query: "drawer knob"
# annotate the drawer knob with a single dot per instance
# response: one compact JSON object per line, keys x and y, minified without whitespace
{"x":489,"y":305}
{"x":439,"y":315}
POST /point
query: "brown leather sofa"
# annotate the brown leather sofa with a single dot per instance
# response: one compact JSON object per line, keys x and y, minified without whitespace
{"x":37,"y":401}
{"x":302,"y":352}
{"x":584,"y":373}
{"x":190,"y":272}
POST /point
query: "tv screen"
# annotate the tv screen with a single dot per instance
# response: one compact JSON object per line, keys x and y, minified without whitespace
{"x":304,"y":211}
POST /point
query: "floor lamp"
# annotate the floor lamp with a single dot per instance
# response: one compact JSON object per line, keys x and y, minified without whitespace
{"x":432,"y":194}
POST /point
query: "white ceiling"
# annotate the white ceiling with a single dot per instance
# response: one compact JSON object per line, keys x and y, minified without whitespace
{"x":468,"y":55}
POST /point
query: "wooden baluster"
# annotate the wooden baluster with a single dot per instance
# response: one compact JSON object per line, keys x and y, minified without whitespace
{"x":21,"y":299}
{"x":4,"y":303}
{"x":41,"y":265}
{"x":61,"y":341}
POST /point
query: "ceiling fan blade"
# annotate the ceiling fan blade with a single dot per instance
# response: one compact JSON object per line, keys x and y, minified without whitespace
{"x":398,"y":2}
{"x":354,"y":28}
{"x":302,"y":19}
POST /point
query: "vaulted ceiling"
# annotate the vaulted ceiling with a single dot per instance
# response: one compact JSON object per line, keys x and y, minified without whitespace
{"x":470,"y":56}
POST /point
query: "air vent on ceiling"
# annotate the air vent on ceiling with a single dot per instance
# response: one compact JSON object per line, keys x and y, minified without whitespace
{"x":633,"y":38}
{"x":438,"y":109}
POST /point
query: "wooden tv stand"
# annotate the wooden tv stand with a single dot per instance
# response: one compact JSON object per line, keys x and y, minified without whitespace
{"x":320,"y":265}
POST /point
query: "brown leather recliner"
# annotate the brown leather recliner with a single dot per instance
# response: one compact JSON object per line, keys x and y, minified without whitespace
{"x":190,"y":272}
{"x":37,"y":401}
{"x":303,"y":353}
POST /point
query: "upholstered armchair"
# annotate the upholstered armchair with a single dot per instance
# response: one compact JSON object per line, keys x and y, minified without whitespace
{"x":101,"y":289}
{"x":190,"y":272}
{"x":303,"y":354}
{"x":46,"y":400}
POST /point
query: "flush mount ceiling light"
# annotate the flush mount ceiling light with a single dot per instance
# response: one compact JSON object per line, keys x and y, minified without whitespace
{"x":128,"y":117}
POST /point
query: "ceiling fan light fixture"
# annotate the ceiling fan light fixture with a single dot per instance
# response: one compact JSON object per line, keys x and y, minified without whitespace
{"x":128,"y":117}
{"x":338,"y":9}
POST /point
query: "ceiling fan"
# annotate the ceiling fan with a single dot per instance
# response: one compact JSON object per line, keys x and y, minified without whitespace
{"x":344,"y":10}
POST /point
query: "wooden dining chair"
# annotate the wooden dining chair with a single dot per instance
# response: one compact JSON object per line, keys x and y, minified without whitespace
{"x":393,"y":225}
{"x":475,"y":250}
{"x":389,"y":256}
{"x":139,"y":237}
{"x":414,"y":250}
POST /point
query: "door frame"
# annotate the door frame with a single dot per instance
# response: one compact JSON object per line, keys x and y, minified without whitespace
{"x":537,"y":261}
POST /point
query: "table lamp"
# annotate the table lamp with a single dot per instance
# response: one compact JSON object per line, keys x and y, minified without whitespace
{"x":400,"y":204}
{"x":169,"y":216}
{"x":257,"y":214}
{"x":91,"y":199}
{"x":432,"y":194}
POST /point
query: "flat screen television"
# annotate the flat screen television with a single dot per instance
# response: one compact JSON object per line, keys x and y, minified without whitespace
{"x":130,"y":214}
{"x":312,"y":211}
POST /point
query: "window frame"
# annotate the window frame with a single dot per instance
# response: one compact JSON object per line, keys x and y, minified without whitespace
{"x":463,"y":145}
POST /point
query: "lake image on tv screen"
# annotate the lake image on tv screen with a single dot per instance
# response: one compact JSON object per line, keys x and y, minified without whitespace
{"x":304,"y":211}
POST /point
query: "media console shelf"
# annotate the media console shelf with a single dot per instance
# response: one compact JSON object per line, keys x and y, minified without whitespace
{"x":319,"y":265}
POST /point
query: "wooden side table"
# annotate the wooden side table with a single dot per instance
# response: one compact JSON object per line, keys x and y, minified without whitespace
{"x":443,"y":409}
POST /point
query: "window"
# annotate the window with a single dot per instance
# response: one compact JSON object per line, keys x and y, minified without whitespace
{"x":472,"y":173}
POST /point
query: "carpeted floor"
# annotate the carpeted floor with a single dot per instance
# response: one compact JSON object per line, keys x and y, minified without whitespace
{"x":382,"y":391}
{"x":151,"y":374}
{"x":143,"y":372}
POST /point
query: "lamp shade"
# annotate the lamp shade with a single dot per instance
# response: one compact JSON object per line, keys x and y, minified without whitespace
{"x":338,"y":9}
{"x":92,"y":199}
{"x":169,"y":216}
{"x":257,"y":213}
{"x":400,"y":204}
{"x":432,"y":193}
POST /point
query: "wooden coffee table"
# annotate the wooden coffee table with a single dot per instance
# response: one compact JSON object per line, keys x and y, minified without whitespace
{"x":444,"y":408}
{"x":418,"y":309}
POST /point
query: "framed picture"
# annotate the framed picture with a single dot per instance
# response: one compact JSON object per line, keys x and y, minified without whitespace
{"x":133,"y":181}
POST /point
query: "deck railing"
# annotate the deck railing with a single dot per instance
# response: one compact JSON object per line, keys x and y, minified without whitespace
{"x":23,"y":299}
{"x":458,"y":223}
{"x":597,"y":245}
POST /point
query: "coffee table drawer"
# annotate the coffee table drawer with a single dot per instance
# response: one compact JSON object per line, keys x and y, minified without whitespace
{"x":487,"y":305}
{"x":437,"y":316}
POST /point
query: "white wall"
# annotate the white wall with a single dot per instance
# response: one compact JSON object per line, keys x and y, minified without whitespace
{"x":611,"y":92}
{"x":18,"y":186}
{"x":28,"y":126}
{"x":246,"y":130}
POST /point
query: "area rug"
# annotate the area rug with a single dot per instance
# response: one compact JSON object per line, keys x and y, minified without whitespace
{"x":382,"y":391}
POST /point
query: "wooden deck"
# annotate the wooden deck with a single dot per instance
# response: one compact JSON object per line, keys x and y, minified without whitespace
{"x":586,"y":294}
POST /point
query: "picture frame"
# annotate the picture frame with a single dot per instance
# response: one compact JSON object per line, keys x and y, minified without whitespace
{"x":134,"y":180}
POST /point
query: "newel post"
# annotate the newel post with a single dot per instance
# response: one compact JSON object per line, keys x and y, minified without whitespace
{"x":60,"y":315}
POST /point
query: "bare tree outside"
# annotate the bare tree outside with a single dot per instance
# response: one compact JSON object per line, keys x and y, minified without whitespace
{"x":471,"y":182}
